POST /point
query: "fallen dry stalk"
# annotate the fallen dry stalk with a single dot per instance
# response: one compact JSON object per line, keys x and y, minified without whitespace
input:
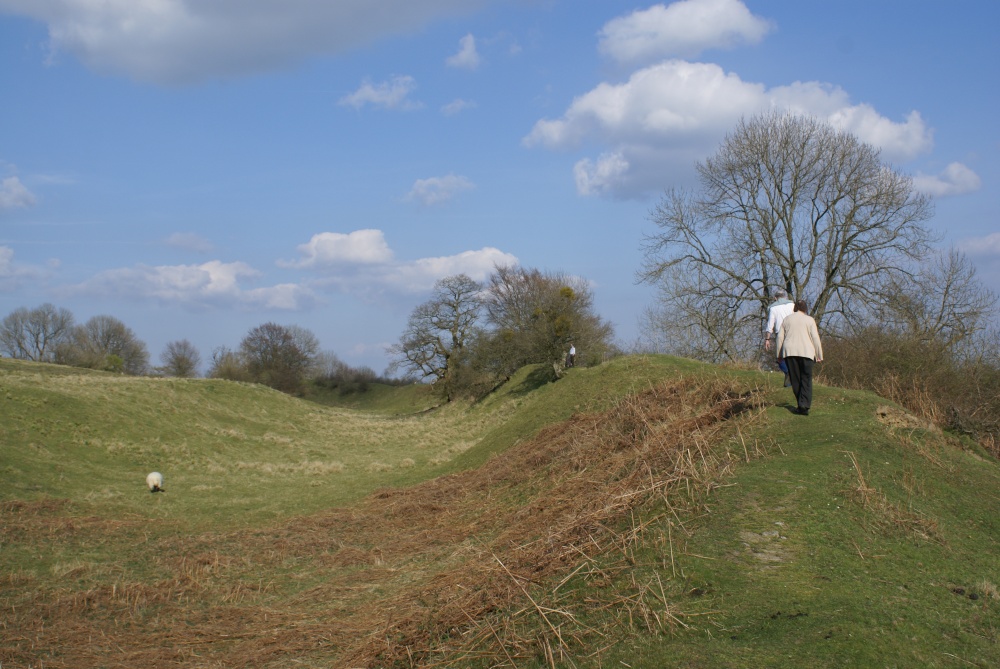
{"x":886,"y":516}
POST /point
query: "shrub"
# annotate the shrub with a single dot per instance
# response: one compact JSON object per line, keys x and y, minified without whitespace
{"x":961,"y":394}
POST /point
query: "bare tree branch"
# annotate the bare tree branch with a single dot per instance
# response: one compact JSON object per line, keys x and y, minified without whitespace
{"x":785,"y":202}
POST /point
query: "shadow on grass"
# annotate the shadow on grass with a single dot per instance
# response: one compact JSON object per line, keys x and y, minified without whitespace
{"x":537,"y":378}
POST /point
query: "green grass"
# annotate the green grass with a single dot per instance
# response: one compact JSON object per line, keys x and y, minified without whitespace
{"x":378,"y":398}
{"x":798,"y":568}
{"x":842,"y":539}
{"x":230,"y":452}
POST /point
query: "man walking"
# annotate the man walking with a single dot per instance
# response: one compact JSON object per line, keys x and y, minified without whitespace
{"x":781,"y":307}
{"x":801,"y":349}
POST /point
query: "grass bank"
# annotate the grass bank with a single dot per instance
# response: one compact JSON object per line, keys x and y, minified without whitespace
{"x":650,"y":512}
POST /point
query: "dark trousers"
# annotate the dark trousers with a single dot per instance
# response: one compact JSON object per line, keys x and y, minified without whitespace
{"x":800,"y":373}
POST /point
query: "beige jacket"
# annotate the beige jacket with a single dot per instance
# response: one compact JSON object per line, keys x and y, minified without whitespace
{"x":799,"y":337}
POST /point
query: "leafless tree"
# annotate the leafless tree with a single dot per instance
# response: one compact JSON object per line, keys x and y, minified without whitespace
{"x":308,"y":344}
{"x":438,"y":332}
{"x":273,"y":354}
{"x":943,"y":302}
{"x":180,"y":359}
{"x":788,"y":202}
{"x":104,"y":342}
{"x":34,"y":334}
{"x":227,"y":364}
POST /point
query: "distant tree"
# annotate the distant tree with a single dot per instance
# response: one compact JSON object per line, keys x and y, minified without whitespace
{"x":328,"y":366}
{"x":332,"y":373}
{"x":181,"y":359}
{"x":788,"y":202}
{"x":104,"y":342}
{"x":309,"y":345}
{"x":438,"y":331}
{"x":273,"y":355}
{"x":468,"y":337}
{"x":227,"y":364}
{"x":941,"y":302}
{"x":534,"y":317}
{"x":34,"y":334}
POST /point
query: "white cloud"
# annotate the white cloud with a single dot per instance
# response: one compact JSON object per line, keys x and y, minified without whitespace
{"x":212,"y":283}
{"x":210,"y":280}
{"x":13,"y":274}
{"x":957,"y":179}
{"x":14,"y":194}
{"x":284,"y":296}
{"x":334,"y":249}
{"x":392,"y":94}
{"x":361,"y":263}
{"x":421,"y":274}
{"x":602,"y":177}
{"x":668,"y":102}
{"x":189,"y":241}
{"x":681,"y":29}
{"x":6,"y":261}
{"x":179,"y":41}
{"x":898,"y":141}
{"x":670,"y":114}
{"x":437,"y":190}
{"x":457,"y":105}
{"x":982,"y":247}
{"x":467,"y":57}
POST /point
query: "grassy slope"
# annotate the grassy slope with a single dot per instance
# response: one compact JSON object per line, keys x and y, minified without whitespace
{"x":854,"y":543}
{"x":799,"y":561}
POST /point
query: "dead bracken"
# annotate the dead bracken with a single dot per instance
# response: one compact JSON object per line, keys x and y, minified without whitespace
{"x":465,"y":566}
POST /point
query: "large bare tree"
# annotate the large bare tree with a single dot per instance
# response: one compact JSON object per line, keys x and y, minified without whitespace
{"x":34,"y":334}
{"x":787,"y":201}
{"x":104,"y":342}
{"x":438,"y":331}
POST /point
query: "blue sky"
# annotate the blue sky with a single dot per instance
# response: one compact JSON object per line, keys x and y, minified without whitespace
{"x":196,"y":169}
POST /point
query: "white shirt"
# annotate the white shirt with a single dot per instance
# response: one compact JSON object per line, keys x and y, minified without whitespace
{"x":776,"y":314}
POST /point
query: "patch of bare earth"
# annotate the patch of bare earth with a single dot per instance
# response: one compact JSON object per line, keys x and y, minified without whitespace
{"x":897,"y":418}
{"x":465,"y":567}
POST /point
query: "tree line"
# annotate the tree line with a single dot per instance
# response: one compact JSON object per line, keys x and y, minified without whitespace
{"x":786,"y":202}
{"x":286,"y":358}
{"x":466,"y":339}
{"x":50,"y":334}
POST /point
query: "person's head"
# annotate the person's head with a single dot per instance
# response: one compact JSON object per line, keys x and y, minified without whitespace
{"x":800,"y":305}
{"x":780,"y":294}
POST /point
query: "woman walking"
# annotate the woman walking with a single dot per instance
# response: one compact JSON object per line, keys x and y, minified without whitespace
{"x":799,"y":346}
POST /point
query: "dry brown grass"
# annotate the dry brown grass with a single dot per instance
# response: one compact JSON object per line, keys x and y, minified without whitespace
{"x":959,"y":395}
{"x":884,"y":515}
{"x":472,"y":566}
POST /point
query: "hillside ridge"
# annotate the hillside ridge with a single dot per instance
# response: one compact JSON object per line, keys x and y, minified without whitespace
{"x":650,"y":511}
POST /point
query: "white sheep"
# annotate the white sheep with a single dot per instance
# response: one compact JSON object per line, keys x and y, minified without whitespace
{"x":154,"y":480}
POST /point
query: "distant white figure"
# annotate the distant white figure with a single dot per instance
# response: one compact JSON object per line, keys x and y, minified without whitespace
{"x":154,"y":481}
{"x":571,"y":356}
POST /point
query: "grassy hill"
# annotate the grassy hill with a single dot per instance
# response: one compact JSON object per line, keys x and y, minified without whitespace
{"x":651,"y":512}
